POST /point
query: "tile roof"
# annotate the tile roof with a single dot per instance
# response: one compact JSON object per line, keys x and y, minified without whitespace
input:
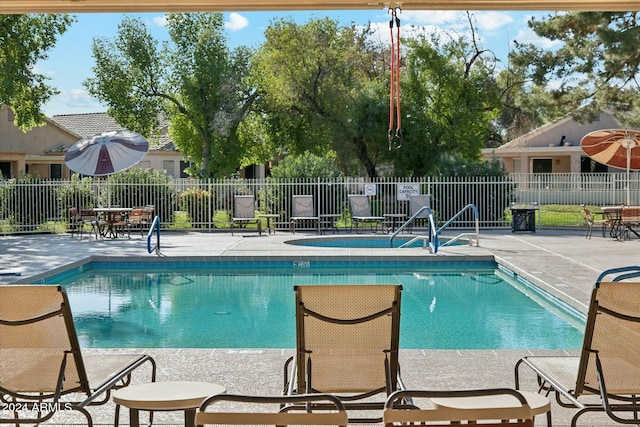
{"x":87,"y":124}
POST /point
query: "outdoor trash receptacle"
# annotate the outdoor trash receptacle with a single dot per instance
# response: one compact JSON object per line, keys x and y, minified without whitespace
{"x":523,"y":218}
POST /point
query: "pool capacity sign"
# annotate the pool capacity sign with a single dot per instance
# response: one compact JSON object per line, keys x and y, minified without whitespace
{"x":405,"y":191}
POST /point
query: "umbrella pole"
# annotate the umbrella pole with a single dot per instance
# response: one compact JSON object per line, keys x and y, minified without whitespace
{"x":628,"y":201}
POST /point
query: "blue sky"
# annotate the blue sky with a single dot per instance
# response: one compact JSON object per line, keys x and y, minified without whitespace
{"x":70,"y":62}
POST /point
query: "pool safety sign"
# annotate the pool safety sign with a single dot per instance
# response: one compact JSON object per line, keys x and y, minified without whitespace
{"x":405,"y":191}
{"x":370,"y":189}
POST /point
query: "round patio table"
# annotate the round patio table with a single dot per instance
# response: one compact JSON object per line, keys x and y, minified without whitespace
{"x":164,"y":396}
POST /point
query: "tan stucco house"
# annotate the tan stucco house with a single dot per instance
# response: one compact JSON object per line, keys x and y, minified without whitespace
{"x":553,"y":148}
{"x":41,"y":150}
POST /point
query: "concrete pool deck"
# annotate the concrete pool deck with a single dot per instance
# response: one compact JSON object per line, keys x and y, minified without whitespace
{"x":561,"y":261}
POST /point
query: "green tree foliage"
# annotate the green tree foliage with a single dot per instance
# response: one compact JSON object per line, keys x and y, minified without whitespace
{"x":456,"y":165}
{"x":450,"y":102}
{"x":316,"y":82}
{"x":194,"y":79}
{"x":78,"y":193}
{"x":307,"y":165}
{"x":151,"y":187}
{"x":595,"y":64}
{"x":25,"y":40}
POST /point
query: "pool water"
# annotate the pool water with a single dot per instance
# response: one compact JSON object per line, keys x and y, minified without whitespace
{"x":468,"y":308}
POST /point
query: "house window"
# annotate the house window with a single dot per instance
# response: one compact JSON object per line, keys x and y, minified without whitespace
{"x":542,"y":166}
{"x":183,"y":166}
{"x":5,"y":169}
{"x":168,"y":167}
{"x":515,"y":165}
{"x":55,"y":171}
{"x":588,"y":165}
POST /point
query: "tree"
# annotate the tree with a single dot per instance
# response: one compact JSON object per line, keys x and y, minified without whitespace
{"x":450,"y":102}
{"x":193,"y":79}
{"x":25,"y":40}
{"x":595,"y":67}
{"x":318,"y":80}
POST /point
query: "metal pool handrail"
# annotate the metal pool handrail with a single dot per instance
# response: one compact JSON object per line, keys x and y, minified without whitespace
{"x":155,"y":226}
{"x":476,"y":216}
{"x":431,"y":240}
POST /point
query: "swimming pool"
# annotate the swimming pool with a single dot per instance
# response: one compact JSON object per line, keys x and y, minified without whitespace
{"x":448,"y":305}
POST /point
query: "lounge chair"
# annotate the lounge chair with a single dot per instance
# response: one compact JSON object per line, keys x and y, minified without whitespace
{"x":347,"y":339}
{"x":417,"y":202}
{"x":304,"y":210}
{"x":609,"y":363}
{"x":361,"y":211}
{"x":286,"y":410}
{"x":41,"y":364}
{"x":477,"y":407}
{"x":244,"y":213}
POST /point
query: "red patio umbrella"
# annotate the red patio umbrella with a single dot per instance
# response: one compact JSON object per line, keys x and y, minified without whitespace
{"x":618,"y":148}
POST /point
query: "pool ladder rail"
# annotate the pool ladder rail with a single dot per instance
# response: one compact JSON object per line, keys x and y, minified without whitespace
{"x":431,"y":241}
{"x":155,"y":227}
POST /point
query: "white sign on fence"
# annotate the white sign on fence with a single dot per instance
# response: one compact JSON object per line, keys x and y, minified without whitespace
{"x":405,"y":191}
{"x":370,"y":189}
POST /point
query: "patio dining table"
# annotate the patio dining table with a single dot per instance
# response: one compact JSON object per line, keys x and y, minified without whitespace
{"x":112,"y":217}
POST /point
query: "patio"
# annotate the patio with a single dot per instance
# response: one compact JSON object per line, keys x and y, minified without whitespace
{"x":562,"y":262}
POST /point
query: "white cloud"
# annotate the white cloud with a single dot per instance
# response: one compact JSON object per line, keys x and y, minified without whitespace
{"x":432,"y":17}
{"x":160,"y":21}
{"x":75,"y":98}
{"x":529,"y":36}
{"x":236,"y":22}
{"x":489,"y":21}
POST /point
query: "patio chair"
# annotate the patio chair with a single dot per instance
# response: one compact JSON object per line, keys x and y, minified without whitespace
{"x":609,"y":364}
{"x":75,"y":222}
{"x":487,"y":407}
{"x":629,"y":221}
{"x":134,"y":220}
{"x":347,"y":339}
{"x":361,"y":211}
{"x":90,"y":218}
{"x":417,"y":202}
{"x":41,"y":364}
{"x":271,"y":410}
{"x":595,"y":219}
{"x":304,"y":210}
{"x":244,"y":208}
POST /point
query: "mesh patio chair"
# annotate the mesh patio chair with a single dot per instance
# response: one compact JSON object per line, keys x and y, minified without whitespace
{"x":609,"y":363}
{"x":479,"y":408}
{"x":244,"y":213}
{"x":272,"y":410}
{"x":417,"y":202}
{"x":304,"y":210}
{"x":41,"y":364}
{"x":361,"y":212}
{"x":347,"y":339}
